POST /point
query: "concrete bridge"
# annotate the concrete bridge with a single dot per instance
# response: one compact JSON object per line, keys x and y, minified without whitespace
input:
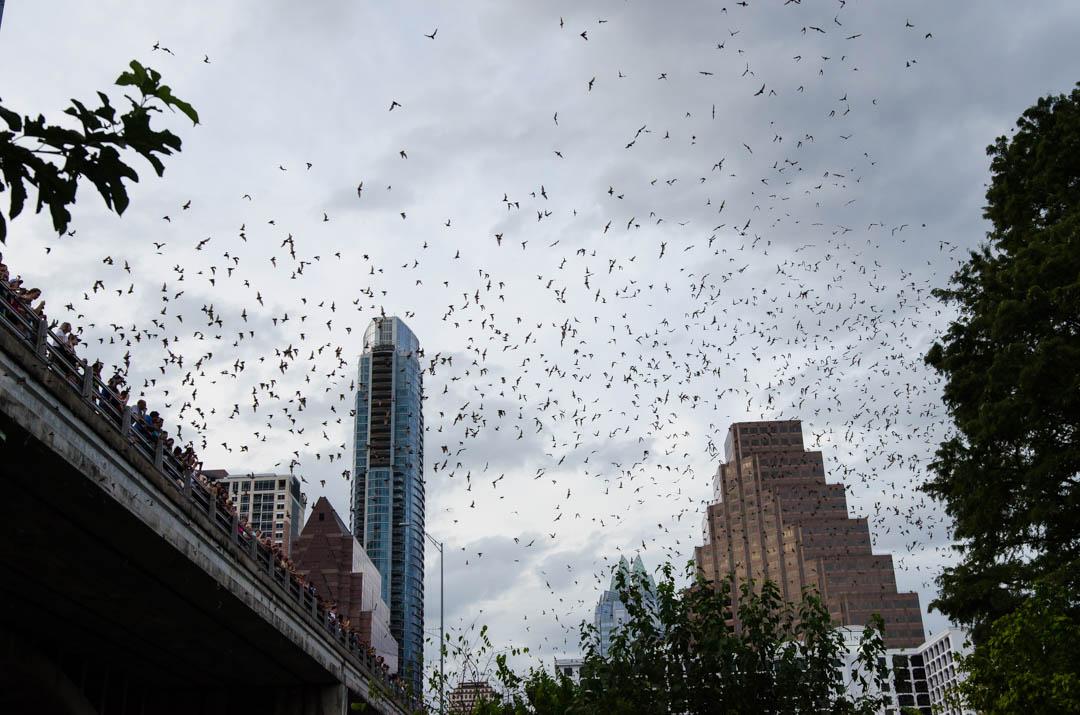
{"x":124,"y":588}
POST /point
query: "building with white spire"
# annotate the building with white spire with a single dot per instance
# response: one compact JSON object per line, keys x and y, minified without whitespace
{"x":610,"y":611}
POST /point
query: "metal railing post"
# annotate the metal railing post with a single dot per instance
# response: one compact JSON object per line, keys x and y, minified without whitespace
{"x":125,"y":421}
{"x":88,"y":381}
{"x":40,"y":343}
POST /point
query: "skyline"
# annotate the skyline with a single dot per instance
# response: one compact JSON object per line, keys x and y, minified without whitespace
{"x":470,"y":137}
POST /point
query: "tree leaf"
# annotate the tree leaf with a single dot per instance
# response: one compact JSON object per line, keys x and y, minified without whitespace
{"x":14,"y":121}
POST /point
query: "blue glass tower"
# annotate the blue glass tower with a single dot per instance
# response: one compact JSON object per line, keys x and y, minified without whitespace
{"x":610,"y":611}
{"x":388,"y":483}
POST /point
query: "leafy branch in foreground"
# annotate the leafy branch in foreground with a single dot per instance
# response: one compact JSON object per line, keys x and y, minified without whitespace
{"x":53,"y":158}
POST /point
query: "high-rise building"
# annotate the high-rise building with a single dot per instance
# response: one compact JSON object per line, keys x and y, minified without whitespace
{"x":610,"y":611}
{"x":943,"y":673}
{"x":388,"y":480}
{"x":570,"y":666}
{"x":272,"y":503}
{"x":467,"y":694}
{"x":327,"y":555}
{"x":920,"y":680}
{"x":775,"y":518}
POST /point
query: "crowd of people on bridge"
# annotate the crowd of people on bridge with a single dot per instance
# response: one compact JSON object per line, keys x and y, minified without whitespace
{"x":111,"y":398}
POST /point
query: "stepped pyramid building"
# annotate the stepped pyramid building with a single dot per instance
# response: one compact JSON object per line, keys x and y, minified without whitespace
{"x":774,"y":517}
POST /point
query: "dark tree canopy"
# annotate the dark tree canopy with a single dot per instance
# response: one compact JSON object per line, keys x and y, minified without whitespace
{"x":53,"y":159}
{"x":677,"y":653}
{"x":1010,"y":475}
{"x":1028,"y":661}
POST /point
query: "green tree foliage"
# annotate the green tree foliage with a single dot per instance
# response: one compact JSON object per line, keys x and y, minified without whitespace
{"x":1010,"y":475}
{"x":1029,"y":661}
{"x":677,"y":654}
{"x":53,"y":158}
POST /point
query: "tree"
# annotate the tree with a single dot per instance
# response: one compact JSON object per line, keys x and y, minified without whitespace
{"x":54,"y":159}
{"x":1028,"y":661}
{"x":678,"y":653}
{"x":1010,"y":475}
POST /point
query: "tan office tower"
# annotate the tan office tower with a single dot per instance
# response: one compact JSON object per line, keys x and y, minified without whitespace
{"x":774,"y":517}
{"x":271,"y":503}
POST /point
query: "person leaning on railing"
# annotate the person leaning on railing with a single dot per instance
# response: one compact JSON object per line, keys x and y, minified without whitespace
{"x":69,"y":359}
{"x":18,"y":301}
{"x":96,"y":369}
{"x":62,"y":332}
{"x":113,"y":397}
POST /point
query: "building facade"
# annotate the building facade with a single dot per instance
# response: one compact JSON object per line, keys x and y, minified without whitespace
{"x":570,"y":666}
{"x":327,"y":555}
{"x":610,"y":612}
{"x":388,"y":479}
{"x":272,"y":503}
{"x":921,"y":679}
{"x":467,"y":694}
{"x":775,"y":518}
{"x":942,"y":672}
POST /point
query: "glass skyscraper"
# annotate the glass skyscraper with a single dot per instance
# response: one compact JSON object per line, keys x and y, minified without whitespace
{"x":611,"y":612}
{"x":388,"y":482}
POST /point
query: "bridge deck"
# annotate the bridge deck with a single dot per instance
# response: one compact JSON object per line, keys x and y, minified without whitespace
{"x":107,"y":562}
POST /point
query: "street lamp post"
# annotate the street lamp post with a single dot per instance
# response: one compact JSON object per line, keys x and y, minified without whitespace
{"x":442,"y":631}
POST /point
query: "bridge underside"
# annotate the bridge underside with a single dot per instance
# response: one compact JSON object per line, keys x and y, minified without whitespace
{"x":125,"y":623}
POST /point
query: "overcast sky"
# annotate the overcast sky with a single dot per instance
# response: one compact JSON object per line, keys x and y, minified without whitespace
{"x":707,"y":215}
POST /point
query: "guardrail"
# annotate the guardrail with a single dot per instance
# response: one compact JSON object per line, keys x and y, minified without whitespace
{"x":17,"y":318}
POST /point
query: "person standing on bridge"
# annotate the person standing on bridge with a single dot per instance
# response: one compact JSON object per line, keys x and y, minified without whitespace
{"x":113,"y":398}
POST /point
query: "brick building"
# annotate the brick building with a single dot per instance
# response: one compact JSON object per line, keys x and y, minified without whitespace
{"x":327,"y":555}
{"x":774,"y":517}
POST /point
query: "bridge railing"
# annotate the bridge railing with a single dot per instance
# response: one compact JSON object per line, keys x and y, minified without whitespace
{"x":17,"y":318}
